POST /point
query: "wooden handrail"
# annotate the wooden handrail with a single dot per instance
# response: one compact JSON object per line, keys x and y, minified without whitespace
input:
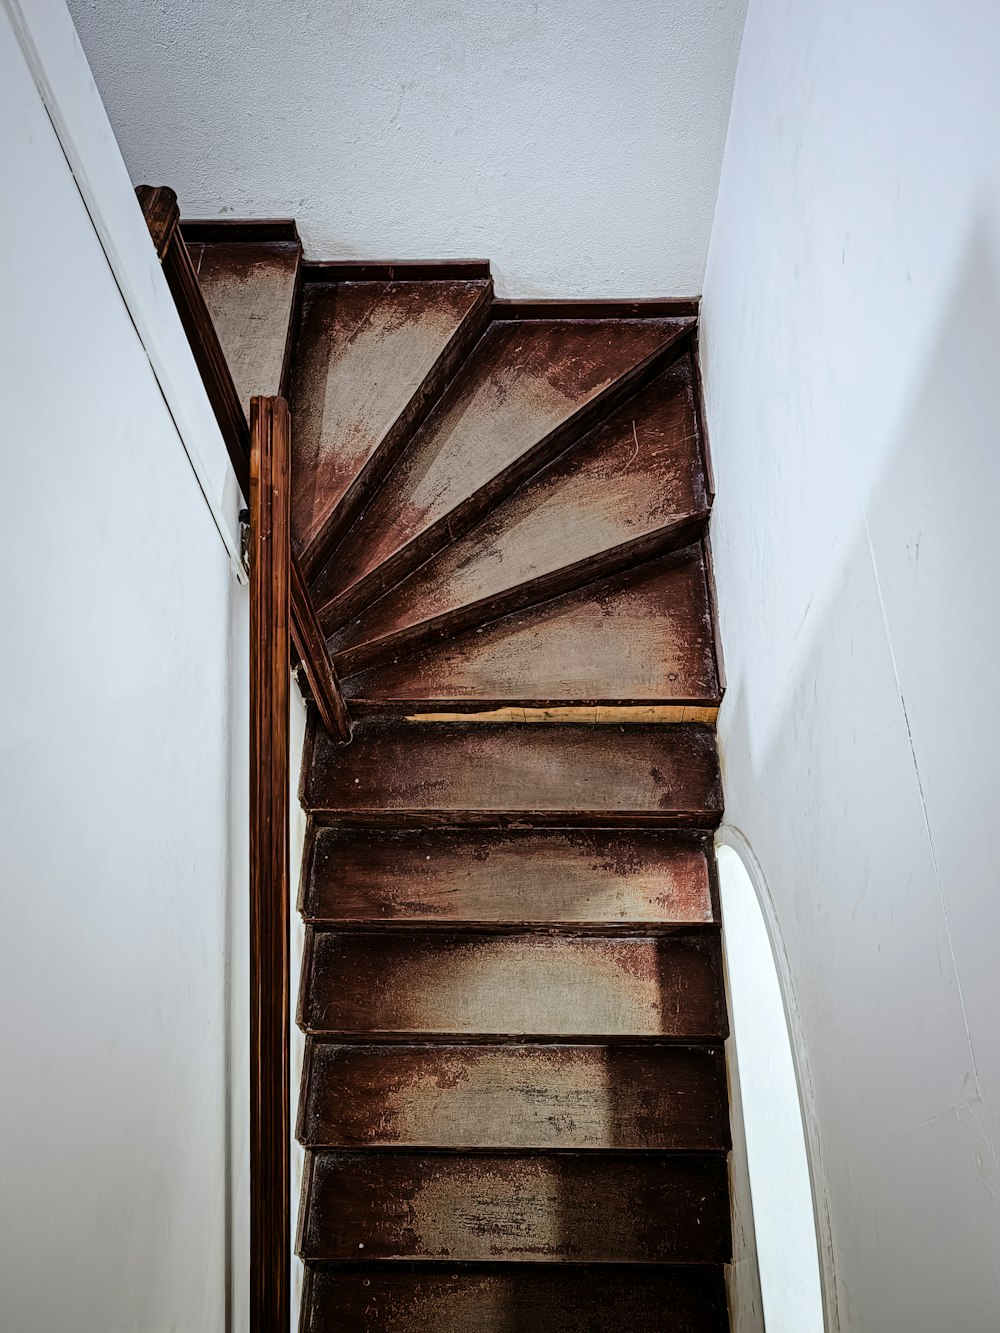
{"x":162,"y":214}
{"x":270,"y":1129}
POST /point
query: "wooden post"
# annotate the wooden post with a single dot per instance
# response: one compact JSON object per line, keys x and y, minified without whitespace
{"x":270,"y":1130}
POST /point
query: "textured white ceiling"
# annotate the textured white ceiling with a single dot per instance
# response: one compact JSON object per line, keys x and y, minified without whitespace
{"x":576,"y":144}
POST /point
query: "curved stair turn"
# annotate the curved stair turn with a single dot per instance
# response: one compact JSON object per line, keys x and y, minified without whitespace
{"x":514,"y":1101}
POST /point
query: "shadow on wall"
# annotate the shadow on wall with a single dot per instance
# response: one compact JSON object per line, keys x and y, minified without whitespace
{"x":869,"y":794}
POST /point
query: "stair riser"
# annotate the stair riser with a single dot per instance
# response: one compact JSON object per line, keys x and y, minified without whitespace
{"x":556,"y":1209}
{"x":569,"y":578}
{"x":537,"y":775}
{"x":513,"y":1299}
{"x":338,"y":610}
{"x":378,"y":467}
{"x":542,"y":1098}
{"x":590,"y":880}
{"x":410,"y":983}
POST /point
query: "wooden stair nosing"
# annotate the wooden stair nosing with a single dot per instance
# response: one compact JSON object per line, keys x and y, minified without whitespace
{"x":673,"y":536}
{"x":655,"y":307}
{"x":341,"y":607}
{"x":380,"y":463}
{"x":239,"y":231}
{"x":397,"y":270}
{"x":507,"y":1297}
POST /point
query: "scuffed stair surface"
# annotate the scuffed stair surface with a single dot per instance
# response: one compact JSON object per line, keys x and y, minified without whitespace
{"x":500,"y":1298}
{"x":525,"y":392}
{"x":560,"y":774}
{"x":370,"y":357}
{"x":613,"y":877}
{"x":249,"y":288}
{"x":514,"y":1099}
{"x":632,"y":488}
{"x":642,"y":637}
{"x":477,"y":984}
{"x":560,"y":1207}
{"x":515,"y":1096}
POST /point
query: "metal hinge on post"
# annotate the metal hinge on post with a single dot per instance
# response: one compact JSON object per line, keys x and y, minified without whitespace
{"x":245,"y":538}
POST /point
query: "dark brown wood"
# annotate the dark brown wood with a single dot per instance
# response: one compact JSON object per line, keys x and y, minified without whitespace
{"x":523,"y":1096}
{"x":631,"y":489}
{"x":397,"y":270}
{"x":371,"y":359}
{"x":525,"y":394}
{"x":310,"y":646}
{"x":162,"y":214}
{"x":642,"y":638}
{"x":245,"y":231}
{"x":514,"y":1298}
{"x":560,"y":1208}
{"x":657,"y":307}
{"x":540,"y":774}
{"x":160,"y":208}
{"x":478,"y":984}
{"x":269,"y":907}
{"x":617,"y":878}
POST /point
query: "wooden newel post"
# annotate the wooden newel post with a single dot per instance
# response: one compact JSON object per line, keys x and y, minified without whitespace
{"x":270,"y":565}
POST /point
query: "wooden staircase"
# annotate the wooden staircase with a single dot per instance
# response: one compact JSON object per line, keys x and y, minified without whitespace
{"x":514,"y":1101}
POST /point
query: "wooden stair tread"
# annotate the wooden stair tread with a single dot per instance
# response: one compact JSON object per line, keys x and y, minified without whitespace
{"x":478,"y":984}
{"x":523,"y":394}
{"x":536,"y":774}
{"x":627,"y":491}
{"x":567,"y":1208}
{"x":249,"y":288}
{"x":369,"y":357}
{"x":437,"y":876}
{"x":515,"y":1096}
{"x":514,"y":1298}
{"x":641,"y":637}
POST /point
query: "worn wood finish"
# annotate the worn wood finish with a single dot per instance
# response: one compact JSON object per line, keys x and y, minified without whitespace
{"x":313,"y":654}
{"x":527,"y":391}
{"x":515,"y":1096}
{"x":269,"y":968}
{"x":159,"y":205}
{"x":370,"y":360}
{"x":514,"y":1298}
{"x":642,"y":637}
{"x":459,"y":710}
{"x":544,"y":774}
{"x":249,"y":288}
{"x":426,"y":877}
{"x":631,"y":489}
{"x":565,"y":1208}
{"x":483,"y":984}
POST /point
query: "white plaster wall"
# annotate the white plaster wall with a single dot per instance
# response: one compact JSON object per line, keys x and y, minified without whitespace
{"x":124,"y":649}
{"x":575,"y":145}
{"x":851,"y":341}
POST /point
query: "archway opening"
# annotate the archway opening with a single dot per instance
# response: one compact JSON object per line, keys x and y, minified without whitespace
{"x":775,"y":1142}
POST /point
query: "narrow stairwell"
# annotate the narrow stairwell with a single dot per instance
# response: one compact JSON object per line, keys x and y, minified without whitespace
{"x":514,"y":1101}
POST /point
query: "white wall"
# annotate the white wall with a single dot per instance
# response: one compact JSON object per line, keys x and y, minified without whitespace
{"x":124,"y":652}
{"x":576,"y":145}
{"x":851,"y":342}
{"x":771,"y":1120}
